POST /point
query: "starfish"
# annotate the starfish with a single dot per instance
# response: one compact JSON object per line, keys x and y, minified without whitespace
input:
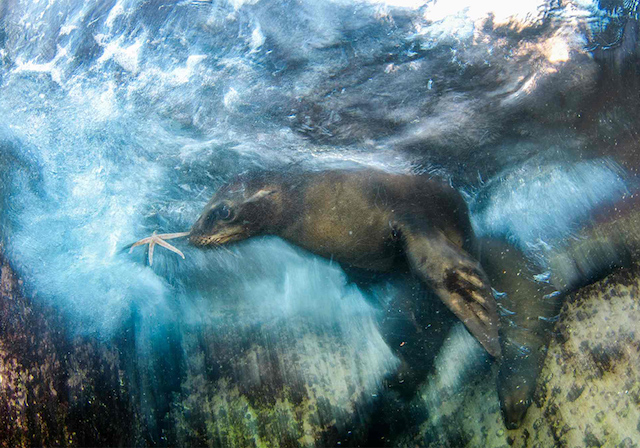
{"x":160,"y":240}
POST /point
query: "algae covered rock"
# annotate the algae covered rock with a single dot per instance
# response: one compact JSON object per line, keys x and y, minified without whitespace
{"x":278,"y":387}
{"x":57,"y":390}
{"x":290,"y":382}
{"x":588,"y":393}
{"x":589,"y":390}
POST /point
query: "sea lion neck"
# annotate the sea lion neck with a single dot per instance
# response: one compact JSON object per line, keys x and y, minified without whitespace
{"x":285,"y":205}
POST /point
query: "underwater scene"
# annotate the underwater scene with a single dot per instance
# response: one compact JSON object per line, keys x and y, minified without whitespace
{"x":304,"y":223}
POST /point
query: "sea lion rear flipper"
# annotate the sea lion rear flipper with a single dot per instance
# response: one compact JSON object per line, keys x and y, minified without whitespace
{"x":458,"y":280}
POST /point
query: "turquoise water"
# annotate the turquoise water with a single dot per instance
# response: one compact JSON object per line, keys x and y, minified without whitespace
{"x":120,"y":118}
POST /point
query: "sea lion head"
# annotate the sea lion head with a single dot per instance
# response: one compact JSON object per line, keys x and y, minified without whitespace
{"x":515,"y":392}
{"x":237,"y":211}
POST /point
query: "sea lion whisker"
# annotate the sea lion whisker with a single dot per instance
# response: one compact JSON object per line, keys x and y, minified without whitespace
{"x":218,"y":245}
{"x":170,"y":236}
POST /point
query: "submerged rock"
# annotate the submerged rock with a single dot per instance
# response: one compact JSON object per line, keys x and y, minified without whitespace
{"x":284,"y":388}
{"x":588,"y":392}
{"x":55,"y":390}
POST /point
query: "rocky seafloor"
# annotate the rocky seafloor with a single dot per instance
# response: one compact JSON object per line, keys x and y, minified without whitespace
{"x":588,"y":393}
{"x":58,"y":390}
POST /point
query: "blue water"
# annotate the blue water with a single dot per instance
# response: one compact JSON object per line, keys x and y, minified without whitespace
{"x":120,"y":118}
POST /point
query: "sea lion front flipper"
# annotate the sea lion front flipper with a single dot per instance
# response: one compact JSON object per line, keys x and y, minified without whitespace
{"x":458,"y":280}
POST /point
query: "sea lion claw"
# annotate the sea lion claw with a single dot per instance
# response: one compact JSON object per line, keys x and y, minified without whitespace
{"x":459,"y":281}
{"x":159,"y":240}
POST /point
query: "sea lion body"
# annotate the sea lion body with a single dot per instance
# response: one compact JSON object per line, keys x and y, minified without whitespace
{"x":351,"y":216}
{"x":365,"y":242}
{"x":365,"y":219}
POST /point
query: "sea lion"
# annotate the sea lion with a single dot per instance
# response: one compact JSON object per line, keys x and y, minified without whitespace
{"x":364,"y":219}
{"x":529,"y":305}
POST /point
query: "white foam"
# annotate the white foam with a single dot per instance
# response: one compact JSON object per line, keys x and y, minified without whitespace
{"x":257,"y":39}
{"x":231,"y":98}
{"x":67,"y":29}
{"x":52,"y":67}
{"x":536,"y":203}
{"x":116,"y":11}
{"x":127,"y":56}
{"x":182,"y":75}
{"x":502,"y":12}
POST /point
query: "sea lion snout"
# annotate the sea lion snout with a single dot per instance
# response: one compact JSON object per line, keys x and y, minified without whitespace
{"x":215,"y":225}
{"x":209,"y":231}
{"x":513,"y":411}
{"x":220,"y":235}
{"x":515,"y":393}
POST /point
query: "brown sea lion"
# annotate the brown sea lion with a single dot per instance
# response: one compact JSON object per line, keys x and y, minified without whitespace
{"x":528,"y":311}
{"x":365,"y":219}
{"x":530,"y":307}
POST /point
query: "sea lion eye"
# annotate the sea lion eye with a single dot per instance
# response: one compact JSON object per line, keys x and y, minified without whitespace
{"x":223,"y":212}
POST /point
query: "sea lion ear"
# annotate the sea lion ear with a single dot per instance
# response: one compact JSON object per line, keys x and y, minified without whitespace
{"x":260,"y":194}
